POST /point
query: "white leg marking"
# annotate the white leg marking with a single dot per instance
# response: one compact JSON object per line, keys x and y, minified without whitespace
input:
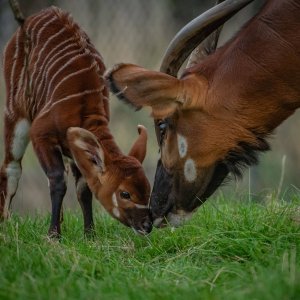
{"x":13,"y":171}
{"x":114,"y":200}
{"x":190,"y":171}
{"x":182,"y":145}
{"x":21,"y":139}
{"x":116,"y":212}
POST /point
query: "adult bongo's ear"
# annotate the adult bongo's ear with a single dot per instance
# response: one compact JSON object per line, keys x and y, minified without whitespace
{"x":141,"y":87}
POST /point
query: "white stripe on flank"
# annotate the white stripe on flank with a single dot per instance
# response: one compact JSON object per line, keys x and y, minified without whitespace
{"x":61,"y":69}
{"x":21,"y":79}
{"x":37,"y":25}
{"x":43,"y":28}
{"x":49,"y":104}
{"x":41,"y":52}
{"x":45,"y":79}
{"x":46,"y":59}
{"x":49,"y":65}
{"x":12,"y":75}
{"x":40,"y":15}
{"x":69,"y":76}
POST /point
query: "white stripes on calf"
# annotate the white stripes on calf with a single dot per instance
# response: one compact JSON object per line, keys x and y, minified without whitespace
{"x":69,"y":62}
{"x":79,"y":72}
{"x":40,"y":53}
{"x":12,"y":74}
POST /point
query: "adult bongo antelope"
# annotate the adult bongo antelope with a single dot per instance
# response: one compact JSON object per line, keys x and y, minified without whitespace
{"x":57,"y":98}
{"x":216,"y":117}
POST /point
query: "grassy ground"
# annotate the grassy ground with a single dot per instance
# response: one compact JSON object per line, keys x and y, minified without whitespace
{"x":229,"y":250}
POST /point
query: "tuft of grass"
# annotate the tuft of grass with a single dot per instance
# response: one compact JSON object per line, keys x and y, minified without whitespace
{"x":229,"y":250}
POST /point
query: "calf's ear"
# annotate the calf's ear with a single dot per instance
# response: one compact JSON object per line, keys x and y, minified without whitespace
{"x":141,"y":87}
{"x":139,"y":148}
{"x":87,"y":152}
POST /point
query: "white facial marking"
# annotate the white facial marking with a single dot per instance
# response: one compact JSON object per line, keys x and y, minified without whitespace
{"x":116,"y":212}
{"x":141,"y":206}
{"x":182,"y":145}
{"x":114,"y":200}
{"x":190,"y":172}
{"x":21,"y":139}
{"x":179,"y":218}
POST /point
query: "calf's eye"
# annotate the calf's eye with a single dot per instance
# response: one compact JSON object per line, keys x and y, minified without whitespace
{"x":125,"y":195}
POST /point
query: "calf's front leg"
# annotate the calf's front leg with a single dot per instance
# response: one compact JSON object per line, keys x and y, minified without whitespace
{"x":51,"y":160}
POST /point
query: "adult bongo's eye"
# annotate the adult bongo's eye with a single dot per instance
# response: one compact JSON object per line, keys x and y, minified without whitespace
{"x":125,"y":195}
{"x":162,"y":125}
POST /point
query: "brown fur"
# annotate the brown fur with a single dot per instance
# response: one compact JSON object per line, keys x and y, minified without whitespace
{"x":54,"y":81}
{"x":225,"y":106}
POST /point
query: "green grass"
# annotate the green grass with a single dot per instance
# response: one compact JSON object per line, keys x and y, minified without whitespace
{"x":229,"y":250}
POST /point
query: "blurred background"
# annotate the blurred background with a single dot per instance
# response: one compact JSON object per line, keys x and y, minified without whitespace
{"x":139,"y":32}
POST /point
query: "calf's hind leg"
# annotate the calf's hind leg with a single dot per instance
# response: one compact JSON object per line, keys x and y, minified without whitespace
{"x":16,"y":134}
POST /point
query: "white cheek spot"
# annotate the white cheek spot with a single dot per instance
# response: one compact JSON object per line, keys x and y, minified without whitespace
{"x":114,"y":200}
{"x":21,"y":139}
{"x":190,"y":172}
{"x":182,"y":145}
{"x":116,"y":212}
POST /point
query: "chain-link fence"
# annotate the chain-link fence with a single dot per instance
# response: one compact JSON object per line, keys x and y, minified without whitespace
{"x":138,"y":31}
